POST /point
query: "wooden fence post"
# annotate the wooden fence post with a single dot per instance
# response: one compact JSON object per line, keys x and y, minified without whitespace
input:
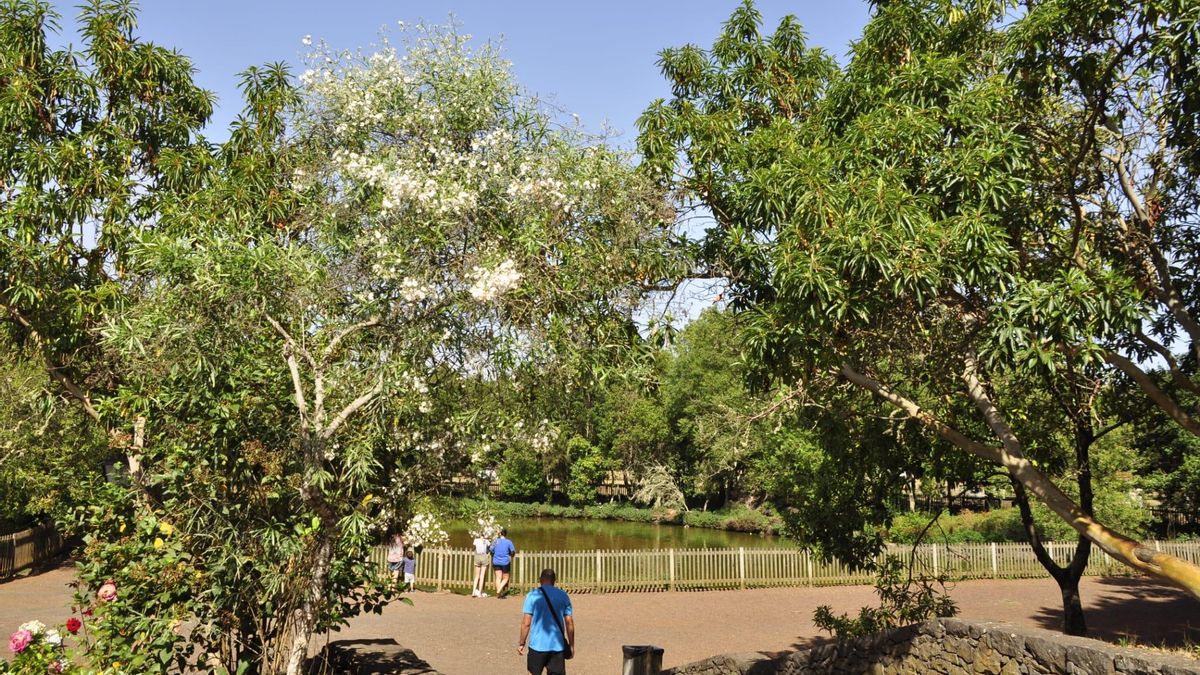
{"x":935,"y":559}
{"x":809,"y":564}
{"x":742,"y":566}
{"x":995,"y":565}
{"x":671,"y":569}
{"x":441,"y":567}
{"x":598,"y":568}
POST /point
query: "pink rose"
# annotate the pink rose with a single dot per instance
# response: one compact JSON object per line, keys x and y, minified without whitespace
{"x":19,"y":640}
{"x":73,"y":625}
{"x":56,"y":667}
{"x":107,"y":592}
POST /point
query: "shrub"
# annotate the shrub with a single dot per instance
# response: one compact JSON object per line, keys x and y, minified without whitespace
{"x":521,"y":475}
{"x":588,"y":469}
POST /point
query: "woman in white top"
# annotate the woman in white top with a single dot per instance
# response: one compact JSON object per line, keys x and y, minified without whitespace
{"x":483,"y":559}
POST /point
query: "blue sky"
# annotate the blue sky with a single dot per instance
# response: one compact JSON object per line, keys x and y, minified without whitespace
{"x":596,"y":59}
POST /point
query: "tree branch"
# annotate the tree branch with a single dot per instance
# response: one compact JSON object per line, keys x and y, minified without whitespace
{"x":1183,"y":573}
{"x":54,"y":371}
{"x":1169,"y":295}
{"x":1177,"y":375}
{"x":289,"y":352}
{"x":349,"y":410}
{"x":1148,"y":386}
{"x":343,"y":334}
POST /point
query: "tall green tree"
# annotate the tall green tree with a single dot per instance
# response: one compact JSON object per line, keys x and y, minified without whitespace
{"x":91,"y":143}
{"x":885,"y":226}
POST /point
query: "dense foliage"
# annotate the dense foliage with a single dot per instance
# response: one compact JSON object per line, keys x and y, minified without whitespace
{"x":956,"y":222}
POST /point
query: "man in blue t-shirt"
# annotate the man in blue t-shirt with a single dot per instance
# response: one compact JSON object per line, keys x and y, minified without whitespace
{"x":502,"y":553}
{"x":549,"y":633}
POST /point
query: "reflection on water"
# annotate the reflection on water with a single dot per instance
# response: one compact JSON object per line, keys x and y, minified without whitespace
{"x":560,"y":534}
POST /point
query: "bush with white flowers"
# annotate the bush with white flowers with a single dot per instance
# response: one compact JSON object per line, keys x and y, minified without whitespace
{"x":485,"y":526}
{"x":425,"y":531}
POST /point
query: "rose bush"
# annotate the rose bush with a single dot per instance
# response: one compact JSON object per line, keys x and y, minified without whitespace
{"x":38,"y":649}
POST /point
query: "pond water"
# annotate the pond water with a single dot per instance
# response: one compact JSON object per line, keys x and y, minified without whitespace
{"x":579,"y":534}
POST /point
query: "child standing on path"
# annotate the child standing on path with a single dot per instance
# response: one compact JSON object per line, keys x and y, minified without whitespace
{"x":410,"y":569}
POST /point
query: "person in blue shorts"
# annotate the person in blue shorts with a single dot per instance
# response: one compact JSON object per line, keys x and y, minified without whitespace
{"x":502,"y":556}
{"x":547,"y":628}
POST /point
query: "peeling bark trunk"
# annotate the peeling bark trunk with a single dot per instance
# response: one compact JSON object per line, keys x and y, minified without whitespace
{"x":305,"y":618}
{"x":306,"y":615}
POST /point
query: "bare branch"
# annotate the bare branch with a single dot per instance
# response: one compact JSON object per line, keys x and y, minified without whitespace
{"x":771,"y":409}
{"x":1148,"y":386}
{"x":343,"y":334}
{"x":1167,"y":293}
{"x":1177,"y":375}
{"x":289,"y":352}
{"x":354,"y":406}
{"x":54,"y":371}
{"x":915,"y":411}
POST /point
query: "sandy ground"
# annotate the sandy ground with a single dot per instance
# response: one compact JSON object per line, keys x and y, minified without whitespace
{"x":462,"y":635}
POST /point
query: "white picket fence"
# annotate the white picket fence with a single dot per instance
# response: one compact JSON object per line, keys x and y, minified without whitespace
{"x":701,"y":569}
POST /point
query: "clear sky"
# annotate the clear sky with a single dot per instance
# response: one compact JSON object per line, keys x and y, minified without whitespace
{"x":596,"y":59}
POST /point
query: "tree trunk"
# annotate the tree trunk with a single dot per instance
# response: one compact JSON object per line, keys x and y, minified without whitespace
{"x":1073,"y":619}
{"x":1067,"y":578}
{"x":305,"y":616}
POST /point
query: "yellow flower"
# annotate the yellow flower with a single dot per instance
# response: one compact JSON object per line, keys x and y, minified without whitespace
{"x":166,"y":528}
{"x":122,"y":528}
{"x":158,"y":542}
{"x":116,"y":666}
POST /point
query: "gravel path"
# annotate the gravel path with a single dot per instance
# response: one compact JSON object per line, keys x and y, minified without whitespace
{"x":463,"y":635}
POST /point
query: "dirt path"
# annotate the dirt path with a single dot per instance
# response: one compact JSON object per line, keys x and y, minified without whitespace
{"x":462,"y":635}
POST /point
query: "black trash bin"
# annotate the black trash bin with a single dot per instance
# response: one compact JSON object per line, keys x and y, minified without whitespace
{"x":642,"y":659}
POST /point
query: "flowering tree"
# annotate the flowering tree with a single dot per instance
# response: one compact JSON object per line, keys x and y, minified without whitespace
{"x":407,"y":219}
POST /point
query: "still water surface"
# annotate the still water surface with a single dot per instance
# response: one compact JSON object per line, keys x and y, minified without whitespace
{"x":570,"y":534}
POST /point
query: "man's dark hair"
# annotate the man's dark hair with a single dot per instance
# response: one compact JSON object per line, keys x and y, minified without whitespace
{"x":504,"y":532}
{"x":548,"y":576}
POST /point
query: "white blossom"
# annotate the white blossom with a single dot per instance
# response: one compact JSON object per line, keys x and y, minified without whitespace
{"x":489,"y":284}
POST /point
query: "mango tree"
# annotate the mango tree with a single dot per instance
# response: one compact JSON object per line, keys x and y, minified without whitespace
{"x":889,"y":226}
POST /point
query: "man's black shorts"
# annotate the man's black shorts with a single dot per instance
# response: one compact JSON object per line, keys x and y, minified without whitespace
{"x":503,"y":568}
{"x":553,"y":662}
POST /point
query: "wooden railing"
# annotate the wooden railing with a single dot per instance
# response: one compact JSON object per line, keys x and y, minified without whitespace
{"x":27,"y":548}
{"x":700,"y":569}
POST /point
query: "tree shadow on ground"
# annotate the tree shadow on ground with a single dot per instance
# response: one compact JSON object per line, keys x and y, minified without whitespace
{"x":65,"y":558}
{"x":807,"y":643}
{"x":1135,"y":610}
{"x":368,"y":657}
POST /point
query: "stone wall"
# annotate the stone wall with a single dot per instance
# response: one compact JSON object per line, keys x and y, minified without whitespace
{"x":952,"y":646}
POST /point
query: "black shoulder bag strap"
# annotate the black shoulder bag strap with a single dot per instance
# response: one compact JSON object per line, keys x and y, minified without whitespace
{"x":557,"y":622}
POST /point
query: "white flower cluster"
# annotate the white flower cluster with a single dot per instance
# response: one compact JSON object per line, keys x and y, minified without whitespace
{"x":544,"y":437}
{"x":425,"y":530}
{"x":485,"y":526}
{"x":418,"y":386}
{"x":414,"y":291}
{"x":544,"y":189}
{"x":36,"y":628}
{"x":489,"y":284}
